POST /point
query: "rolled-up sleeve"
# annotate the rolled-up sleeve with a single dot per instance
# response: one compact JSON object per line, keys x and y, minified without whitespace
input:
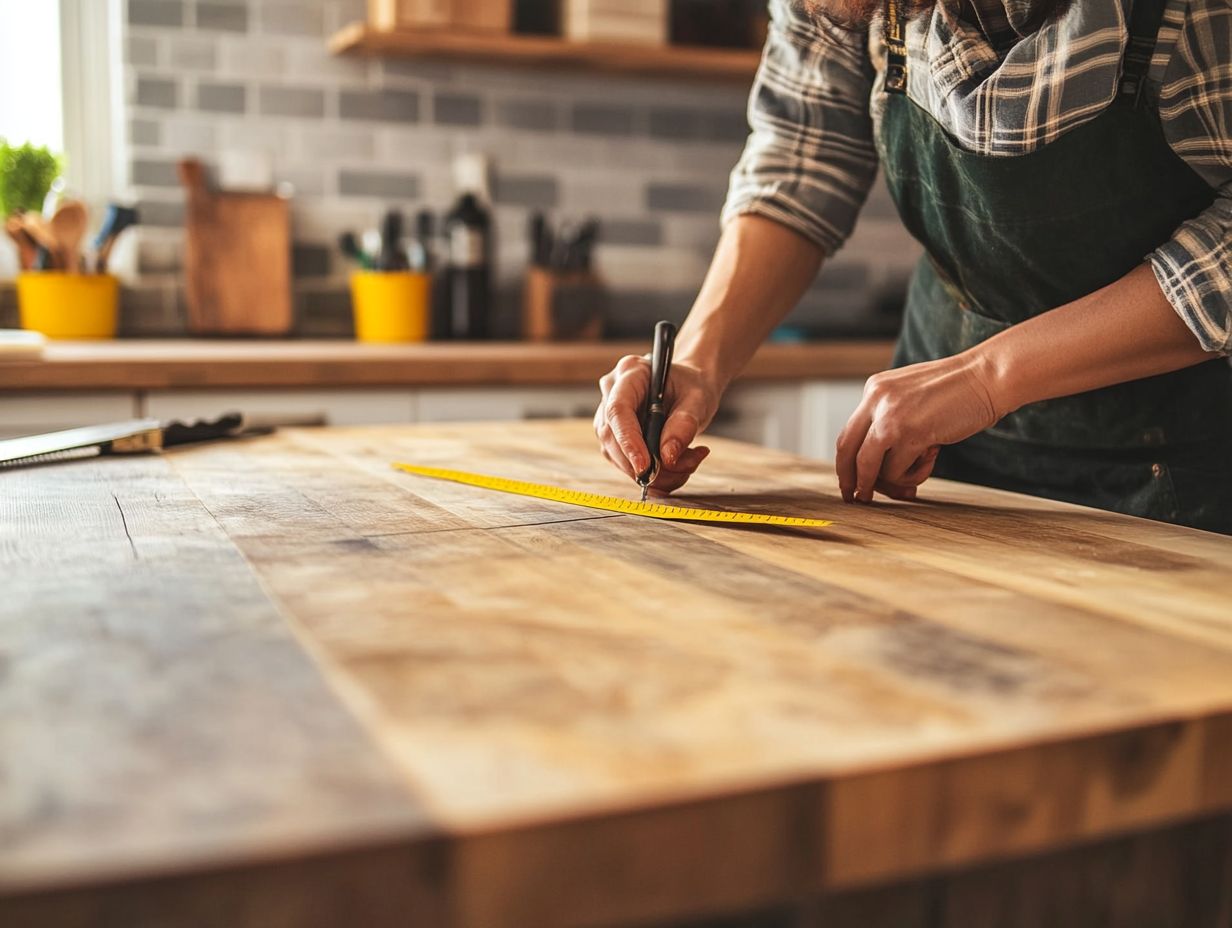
{"x":1194,"y":268}
{"x":810,"y":160}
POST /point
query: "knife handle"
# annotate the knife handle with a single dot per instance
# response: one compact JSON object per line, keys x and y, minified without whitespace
{"x":183,"y":433}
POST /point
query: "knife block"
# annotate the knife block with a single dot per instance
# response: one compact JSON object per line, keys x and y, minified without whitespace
{"x":563,"y":306}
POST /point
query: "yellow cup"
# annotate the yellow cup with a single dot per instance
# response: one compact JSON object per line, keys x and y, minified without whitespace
{"x":68,"y":305}
{"x":391,"y":306}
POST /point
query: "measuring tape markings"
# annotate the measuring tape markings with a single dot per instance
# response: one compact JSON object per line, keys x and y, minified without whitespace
{"x":609,"y":503}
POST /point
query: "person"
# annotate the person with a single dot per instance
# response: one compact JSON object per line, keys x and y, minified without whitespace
{"x":1068,"y":169}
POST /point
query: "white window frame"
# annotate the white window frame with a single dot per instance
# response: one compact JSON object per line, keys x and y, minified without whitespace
{"x":91,"y":65}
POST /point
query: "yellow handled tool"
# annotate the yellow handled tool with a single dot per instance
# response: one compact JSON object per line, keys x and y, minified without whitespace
{"x":610,"y":503}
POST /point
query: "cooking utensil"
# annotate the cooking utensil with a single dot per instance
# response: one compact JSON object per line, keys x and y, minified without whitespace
{"x":68,"y":226}
{"x":419,"y":254}
{"x":27,"y":248}
{"x":371,"y":241}
{"x":115,"y":220}
{"x":393,"y":258}
{"x":540,"y":240}
{"x":349,"y":245}
{"x":135,"y":436}
{"x":39,"y":230}
{"x":52,"y":200}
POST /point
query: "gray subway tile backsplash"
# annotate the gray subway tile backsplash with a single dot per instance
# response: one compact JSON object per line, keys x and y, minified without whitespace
{"x":674,"y":123}
{"x":630,"y":232}
{"x":455,"y":109}
{"x":727,"y":125}
{"x":141,"y":51}
{"x":683,"y":198}
{"x":648,"y":158}
{"x":221,"y":98}
{"x":223,"y":17}
{"x":379,"y":105}
{"x":602,"y":119}
{"x":149,"y":172}
{"x":169,"y":13}
{"x":144,"y":132}
{"x":539,"y":191}
{"x":394,"y":185}
{"x":292,"y":18}
{"x":167,"y":214}
{"x":531,"y":115}
{"x":291,"y":101}
{"x":192,"y":54}
{"x":158,"y":92}
{"x":310,"y":260}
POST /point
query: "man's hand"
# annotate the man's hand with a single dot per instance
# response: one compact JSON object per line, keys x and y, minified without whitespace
{"x":890,"y":444}
{"x":691,"y":404}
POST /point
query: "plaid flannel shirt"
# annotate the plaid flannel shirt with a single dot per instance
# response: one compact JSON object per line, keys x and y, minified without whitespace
{"x":1000,"y":88}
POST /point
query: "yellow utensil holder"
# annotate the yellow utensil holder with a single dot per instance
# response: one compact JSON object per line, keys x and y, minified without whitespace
{"x":391,"y":306}
{"x":68,"y":305}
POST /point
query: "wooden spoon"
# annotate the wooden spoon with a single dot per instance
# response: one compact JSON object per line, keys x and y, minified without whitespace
{"x":37,"y":228}
{"x":68,"y":226}
{"x":27,"y":248}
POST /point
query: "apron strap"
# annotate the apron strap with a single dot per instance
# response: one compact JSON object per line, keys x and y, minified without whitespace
{"x":896,"y":49}
{"x":1144,"y":23}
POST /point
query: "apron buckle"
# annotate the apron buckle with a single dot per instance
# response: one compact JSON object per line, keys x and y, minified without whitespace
{"x":896,"y":78}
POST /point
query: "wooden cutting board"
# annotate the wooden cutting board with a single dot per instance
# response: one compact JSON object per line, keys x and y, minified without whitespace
{"x":237,"y":259}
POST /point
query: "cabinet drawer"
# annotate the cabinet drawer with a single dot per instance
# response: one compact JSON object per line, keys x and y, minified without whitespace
{"x":330,"y":407}
{"x":491,"y":404}
{"x":31,"y":414}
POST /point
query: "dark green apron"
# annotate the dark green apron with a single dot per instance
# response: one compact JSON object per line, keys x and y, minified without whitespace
{"x":1008,"y":238}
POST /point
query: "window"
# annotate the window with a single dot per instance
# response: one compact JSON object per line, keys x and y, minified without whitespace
{"x":59,"y":77}
{"x":30,"y":86}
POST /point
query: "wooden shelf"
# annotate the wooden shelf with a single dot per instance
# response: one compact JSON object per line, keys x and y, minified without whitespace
{"x":201,"y":364}
{"x":541,"y":51}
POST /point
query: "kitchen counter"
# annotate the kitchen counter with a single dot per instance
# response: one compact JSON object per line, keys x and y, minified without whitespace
{"x":278,"y":681}
{"x":170,"y":364}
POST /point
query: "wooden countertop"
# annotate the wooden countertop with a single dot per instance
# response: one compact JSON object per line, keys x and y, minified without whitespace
{"x":156,"y":365}
{"x":278,"y":680}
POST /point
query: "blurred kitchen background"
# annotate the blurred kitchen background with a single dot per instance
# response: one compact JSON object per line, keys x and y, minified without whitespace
{"x":252,"y":88}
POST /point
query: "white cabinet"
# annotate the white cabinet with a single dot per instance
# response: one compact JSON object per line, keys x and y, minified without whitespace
{"x":506,"y":404}
{"x":763,"y":414}
{"x":29,"y":414}
{"x":804,"y":417}
{"x":825,"y":409}
{"x":329,"y":407}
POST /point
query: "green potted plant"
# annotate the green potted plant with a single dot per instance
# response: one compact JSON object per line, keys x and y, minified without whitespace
{"x":59,"y":302}
{"x":26,"y":174}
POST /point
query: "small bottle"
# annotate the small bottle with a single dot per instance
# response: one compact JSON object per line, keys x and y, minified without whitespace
{"x":468,"y":268}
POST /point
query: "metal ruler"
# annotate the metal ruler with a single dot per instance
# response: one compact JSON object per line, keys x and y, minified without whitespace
{"x":610,"y":503}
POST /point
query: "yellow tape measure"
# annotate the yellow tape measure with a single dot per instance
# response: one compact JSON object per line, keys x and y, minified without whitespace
{"x":609,"y":503}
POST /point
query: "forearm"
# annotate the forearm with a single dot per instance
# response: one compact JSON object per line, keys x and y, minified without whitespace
{"x":759,"y":272}
{"x":1123,"y":332}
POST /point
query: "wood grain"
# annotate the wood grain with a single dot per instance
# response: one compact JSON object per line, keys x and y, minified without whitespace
{"x":156,"y":714}
{"x":604,"y":720}
{"x":525,"y":661}
{"x":680,"y":61}
{"x":237,"y":259}
{"x":156,"y":365}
